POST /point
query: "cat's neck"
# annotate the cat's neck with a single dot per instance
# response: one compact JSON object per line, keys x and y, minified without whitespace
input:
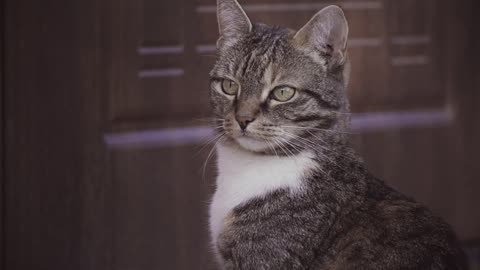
{"x":235,"y":162}
{"x":243,"y":175}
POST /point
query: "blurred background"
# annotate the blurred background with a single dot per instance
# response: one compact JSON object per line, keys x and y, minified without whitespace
{"x":102,"y":102}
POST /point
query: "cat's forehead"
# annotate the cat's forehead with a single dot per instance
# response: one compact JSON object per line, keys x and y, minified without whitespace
{"x":266,"y":58}
{"x":263,"y":44}
{"x":265,"y":54}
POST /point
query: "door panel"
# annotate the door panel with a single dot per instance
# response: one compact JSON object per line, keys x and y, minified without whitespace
{"x":163,"y":52}
{"x":2,"y":137}
{"x":56,"y":180}
{"x":102,"y":138}
{"x":160,"y":212}
{"x":397,"y":66}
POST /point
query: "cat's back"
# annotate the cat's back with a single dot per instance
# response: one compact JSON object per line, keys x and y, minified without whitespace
{"x":391,"y":231}
{"x":334,"y":225}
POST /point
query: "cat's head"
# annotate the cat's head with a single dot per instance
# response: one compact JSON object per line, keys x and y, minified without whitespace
{"x":276,"y":90}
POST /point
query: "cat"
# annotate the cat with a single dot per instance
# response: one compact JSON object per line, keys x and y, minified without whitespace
{"x":291,"y":193}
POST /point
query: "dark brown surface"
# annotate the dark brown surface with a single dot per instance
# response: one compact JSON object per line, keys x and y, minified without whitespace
{"x":419,"y":162}
{"x":381,"y":57}
{"x":56,"y":185}
{"x":464,"y":88}
{"x":2,"y":141}
{"x":71,"y":75}
{"x":160,"y":209}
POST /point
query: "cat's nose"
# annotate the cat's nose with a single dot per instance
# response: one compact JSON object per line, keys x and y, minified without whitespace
{"x":243,"y":121}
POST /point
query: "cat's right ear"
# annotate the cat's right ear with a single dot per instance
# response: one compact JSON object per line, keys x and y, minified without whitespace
{"x":233,"y":22}
{"x":325,"y":34}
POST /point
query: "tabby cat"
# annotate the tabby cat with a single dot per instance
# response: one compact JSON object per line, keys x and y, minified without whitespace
{"x":291,"y":193}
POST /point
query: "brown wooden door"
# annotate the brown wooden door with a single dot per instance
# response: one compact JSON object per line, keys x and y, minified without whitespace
{"x":103,"y":104}
{"x":56,"y":184}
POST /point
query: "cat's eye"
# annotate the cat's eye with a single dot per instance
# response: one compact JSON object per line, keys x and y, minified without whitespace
{"x":283,"y":93}
{"x":229,"y":87}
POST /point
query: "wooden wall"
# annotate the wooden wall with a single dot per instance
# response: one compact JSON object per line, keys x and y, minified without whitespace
{"x":104,"y":166}
{"x":463,"y":41}
{"x":2,"y":140}
{"x":405,"y":57}
{"x":161,"y":53}
{"x":56,"y":172}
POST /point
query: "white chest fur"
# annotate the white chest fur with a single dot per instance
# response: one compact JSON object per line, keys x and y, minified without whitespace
{"x":243,"y":176}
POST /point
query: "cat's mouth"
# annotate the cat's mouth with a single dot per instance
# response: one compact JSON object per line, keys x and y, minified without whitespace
{"x":252,"y":143}
{"x":251,"y":138}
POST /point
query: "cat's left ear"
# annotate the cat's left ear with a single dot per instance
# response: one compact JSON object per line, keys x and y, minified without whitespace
{"x":233,"y":22}
{"x":326,"y":34}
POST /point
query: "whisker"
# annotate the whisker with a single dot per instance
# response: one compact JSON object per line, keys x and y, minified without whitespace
{"x":282,"y":147}
{"x":208,"y":55}
{"x":293,"y":145}
{"x":319,"y":129}
{"x":338,"y":155}
{"x":283,"y":142}
{"x":271,"y":147}
{"x":346,"y":113}
{"x":306,"y":142}
{"x":325,"y":148}
{"x":207,"y":120}
{"x":302,"y":144}
{"x":210,"y":155}
{"x":209,"y":141}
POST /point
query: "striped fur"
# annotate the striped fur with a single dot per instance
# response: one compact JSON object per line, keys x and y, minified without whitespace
{"x":291,"y":192}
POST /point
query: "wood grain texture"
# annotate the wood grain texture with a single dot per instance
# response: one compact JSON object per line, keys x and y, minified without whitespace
{"x":416,"y":161}
{"x":168,"y":89}
{"x":362,"y":23}
{"x":154,"y":87}
{"x":462,"y":39}
{"x":161,"y":16}
{"x":72,"y":73}
{"x":413,"y":76}
{"x":56,"y":182}
{"x":161,"y":198}
{"x":2,"y":138}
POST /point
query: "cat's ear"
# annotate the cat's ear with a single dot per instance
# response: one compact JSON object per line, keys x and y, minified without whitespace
{"x":233,"y":22}
{"x":325,"y":34}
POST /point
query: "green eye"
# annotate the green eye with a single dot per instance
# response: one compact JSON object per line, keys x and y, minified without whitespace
{"x":229,"y":87}
{"x":283,"y":93}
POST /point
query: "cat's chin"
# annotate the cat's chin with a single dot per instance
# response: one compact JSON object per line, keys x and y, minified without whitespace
{"x":252,"y":144}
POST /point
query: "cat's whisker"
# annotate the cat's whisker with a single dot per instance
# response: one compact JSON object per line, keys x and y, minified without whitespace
{"x":271,"y":147}
{"x":346,"y":113}
{"x":291,"y":144}
{"x":210,"y":141}
{"x":298,"y":138}
{"x":285,"y":144}
{"x":282,"y":147}
{"x":208,"y":120}
{"x":305,"y":142}
{"x":323,"y":146}
{"x":297,"y":142}
{"x":276,"y":144}
{"x":315,"y":145}
{"x":319,"y":129}
{"x":209,"y":55}
{"x":333,"y":152}
{"x":318,"y":138}
{"x":210,"y":155}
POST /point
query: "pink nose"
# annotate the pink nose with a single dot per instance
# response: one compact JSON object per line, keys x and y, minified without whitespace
{"x":243,"y":121}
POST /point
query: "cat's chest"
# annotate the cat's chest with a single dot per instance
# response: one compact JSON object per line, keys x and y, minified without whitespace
{"x":243,"y":176}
